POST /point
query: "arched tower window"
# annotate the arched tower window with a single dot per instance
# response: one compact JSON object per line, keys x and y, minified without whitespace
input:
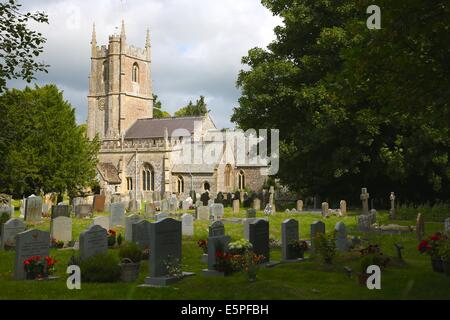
{"x":148,"y":178}
{"x":241,"y":180}
{"x":228,"y":173}
{"x":206,"y":186}
{"x":180,"y":184}
{"x":135,"y":76}
{"x":105,"y":72}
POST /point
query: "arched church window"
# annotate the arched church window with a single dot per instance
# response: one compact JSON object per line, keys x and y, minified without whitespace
{"x":241,"y":180}
{"x":148,"y":178}
{"x":228,"y":173}
{"x":105,"y":71}
{"x":206,"y":186}
{"x":129,"y":183}
{"x":135,"y":76}
{"x":180,"y":184}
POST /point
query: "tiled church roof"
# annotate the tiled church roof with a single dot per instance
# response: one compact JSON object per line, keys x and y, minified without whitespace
{"x":155,"y":128}
{"x":109,"y":173}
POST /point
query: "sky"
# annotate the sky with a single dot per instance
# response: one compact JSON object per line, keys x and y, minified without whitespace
{"x":197,"y":46}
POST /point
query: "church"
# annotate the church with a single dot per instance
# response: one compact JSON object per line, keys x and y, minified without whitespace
{"x":138,"y":152}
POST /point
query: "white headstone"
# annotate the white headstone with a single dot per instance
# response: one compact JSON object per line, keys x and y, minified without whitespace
{"x":9,"y":230}
{"x":187,"y":221}
{"x":61,"y":229}
{"x":217,"y":211}
{"x":203,"y":213}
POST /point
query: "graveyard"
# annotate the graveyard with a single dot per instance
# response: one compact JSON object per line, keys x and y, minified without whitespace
{"x":409,"y":278}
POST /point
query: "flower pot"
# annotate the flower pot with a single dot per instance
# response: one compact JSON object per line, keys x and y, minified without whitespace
{"x":446,"y":267}
{"x":129,"y":270}
{"x":437,"y":265}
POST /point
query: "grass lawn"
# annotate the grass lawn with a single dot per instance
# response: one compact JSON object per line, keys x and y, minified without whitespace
{"x":306,"y":280}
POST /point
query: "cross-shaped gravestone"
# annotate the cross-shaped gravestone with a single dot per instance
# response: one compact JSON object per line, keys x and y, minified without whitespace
{"x":365,"y":200}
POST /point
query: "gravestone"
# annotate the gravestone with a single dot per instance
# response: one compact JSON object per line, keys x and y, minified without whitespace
{"x":247,"y":203}
{"x":165,"y":244}
{"x":141,"y":233}
{"x":164,"y":205}
{"x":173,"y":204}
{"x":133,"y":205}
{"x":187,"y":224}
{"x":45,"y":209}
{"x":220,"y":198}
{"x":343,"y":207}
{"x":325,"y":209}
{"x":257,"y":204}
{"x":204,"y":198}
{"x":364,"y":223}
{"x":61,"y":229}
{"x":251,"y":213}
{"x":300,"y":205}
{"x":129,"y":221}
{"x":365,"y":200}
{"x":149,"y":210}
{"x":210,"y":202}
{"x":215,"y":243}
{"x":8,"y":209}
{"x":99,"y":203}
{"x":30,"y":243}
{"x":289,"y":232}
{"x":60,"y":211}
{"x":236,"y":208}
{"x":93,"y":241}
{"x":420,"y":227}
{"x":392,"y":213}
{"x":258,"y":235}
{"x":22,"y":208}
{"x":33,"y":209}
{"x":217,"y":211}
{"x":103,"y":221}
{"x":9,"y":230}
{"x":161,"y":216}
{"x":340,"y":231}
{"x":447,"y":225}
{"x":83,"y":211}
{"x":117,"y":214}
{"x":229,"y":202}
{"x":216,"y":229}
{"x":316,"y":228}
{"x":203,"y":213}
{"x":185,"y":205}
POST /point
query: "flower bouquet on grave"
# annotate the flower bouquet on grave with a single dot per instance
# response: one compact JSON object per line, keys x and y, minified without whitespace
{"x":203,"y":245}
{"x":112,"y":238}
{"x":38,"y":268}
{"x":57,"y":244}
{"x":298,"y":248}
{"x":224,"y":262}
{"x":430,"y":246}
{"x":252,"y":263}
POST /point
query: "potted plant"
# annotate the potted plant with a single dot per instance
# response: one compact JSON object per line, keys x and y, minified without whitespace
{"x":430,"y":246}
{"x":297,"y":248}
{"x":130,"y":256}
{"x":224,"y":262}
{"x":203,"y":245}
{"x":39,"y":268}
{"x":112,"y":236}
{"x":444,"y":253}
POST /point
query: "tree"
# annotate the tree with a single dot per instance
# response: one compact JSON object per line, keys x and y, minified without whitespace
{"x":42,"y":149}
{"x":193,"y":110}
{"x":158,"y":112}
{"x":332,"y":88}
{"x":19,"y":45}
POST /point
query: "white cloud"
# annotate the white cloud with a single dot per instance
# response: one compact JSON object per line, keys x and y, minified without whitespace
{"x":197,"y":45}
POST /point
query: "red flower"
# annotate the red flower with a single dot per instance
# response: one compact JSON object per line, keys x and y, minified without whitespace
{"x":219,"y":254}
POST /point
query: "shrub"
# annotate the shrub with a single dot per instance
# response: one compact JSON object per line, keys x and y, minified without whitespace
{"x":240,"y":246}
{"x":131,"y":251}
{"x":437,"y":212}
{"x":4,"y":218}
{"x":325,"y":246}
{"x":100,"y":268}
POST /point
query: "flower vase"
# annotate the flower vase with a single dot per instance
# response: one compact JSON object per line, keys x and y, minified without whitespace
{"x":437,"y":265}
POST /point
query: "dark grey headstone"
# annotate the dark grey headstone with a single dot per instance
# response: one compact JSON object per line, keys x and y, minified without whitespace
{"x":83,"y":211}
{"x":141,"y":233}
{"x":60,"y":211}
{"x":216,"y":229}
{"x":214,"y":244}
{"x":258,"y":235}
{"x":129,"y":221}
{"x":289,"y":232}
{"x":251,"y":213}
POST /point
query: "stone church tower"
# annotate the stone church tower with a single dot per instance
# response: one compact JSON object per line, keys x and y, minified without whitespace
{"x":120,"y":86}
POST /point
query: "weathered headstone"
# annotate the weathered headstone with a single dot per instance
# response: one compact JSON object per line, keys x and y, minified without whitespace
{"x":300,"y":205}
{"x":316,"y":228}
{"x":61,"y":229}
{"x":129,"y":221}
{"x":340,"y":231}
{"x":257,"y":204}
{"x":217,"y":211}
{"x":216,"y":229}
{"x":60,"y":211}
{"x":343,"y":207}
{"x":365,"y":200}
{"x":392,"y":214}
{"x":220,"y":198}
{"x":185,"y":205}
{"x":9,"y":230}
{"x":203,"y":213}
{"x":30,"y":243}
{"x":99,"y":203}
{"x":173,"y":204}
{"x":83,"y":211}
{"x":420,"y":227}
{"x":289,"y":233}
{"x":187,"y":221}
{"x":33,"y":209}
{"x":141,"y":233}
{"x":204,"y":198}
{"x":364,"y":223}
{"x":117,"y":214}
{"x":164,"y":205}
{"x":149,"y":210}
{"x":8,"y":209}
{"x":251,"y":213}
{"x":258,"y":235}
{"x":93,"y":241}
{"x":133,"y":205}
{"x":325,"y":209}
{"x":103,"y":221}
{"x":165,"y":246}
{"x":216,"y":243}
{"x":236,"y":208}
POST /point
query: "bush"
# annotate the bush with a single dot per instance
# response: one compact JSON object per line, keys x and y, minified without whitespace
{"x":437,"y":212}
{"x":100,"y":268}
{"x":131,"y":251}
{"x":325,"y":246}
{"x":4,"y":218}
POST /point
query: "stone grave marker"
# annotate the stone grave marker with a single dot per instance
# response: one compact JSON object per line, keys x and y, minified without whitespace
{"x":8,"y":209}
{"x":420,"y":227}
{"x":215,"y":243}
{"x":257,"y":204}
{"x":365,"y":200}
{"x":216,"y":229}
{"x":30,"y":243}
{"x":187,"y":221}
{"x":102,"y":221}
{"x":93,"y":241}
{"x":325,"y":209}
{"x":61,"y":229}
{"x":392,"y":213}
{"x":149,"y":210}
{"x":343,"y":207}
{"x":203,"y":213}
{"x":33,"y":209}
{"x":251,"y":213}
{"x":258,"y":235}
{"x":9,"y":230}
{"x":141,"y":233}
{"x":342,"y":244}
{"x":316,"y":228}
{"x":300,"y":205}
{"x":117,"y":216}
{"x":161,"y":216}
{"x":83,"y":211}
{"x":217,"y":211}
{"x":236,"y":208}
{"x":129,"y":221}
{"x":99,"y":203}
{"x":289,"y":233}
{"x":60,"y":211}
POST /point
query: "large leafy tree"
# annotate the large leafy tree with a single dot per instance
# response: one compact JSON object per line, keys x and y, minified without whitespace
{"x":355,"y":107}
{"x":42,"y":149}
{"x":19,"y":45}
{"x":193,"y":110}
{"x":158,"y":111}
